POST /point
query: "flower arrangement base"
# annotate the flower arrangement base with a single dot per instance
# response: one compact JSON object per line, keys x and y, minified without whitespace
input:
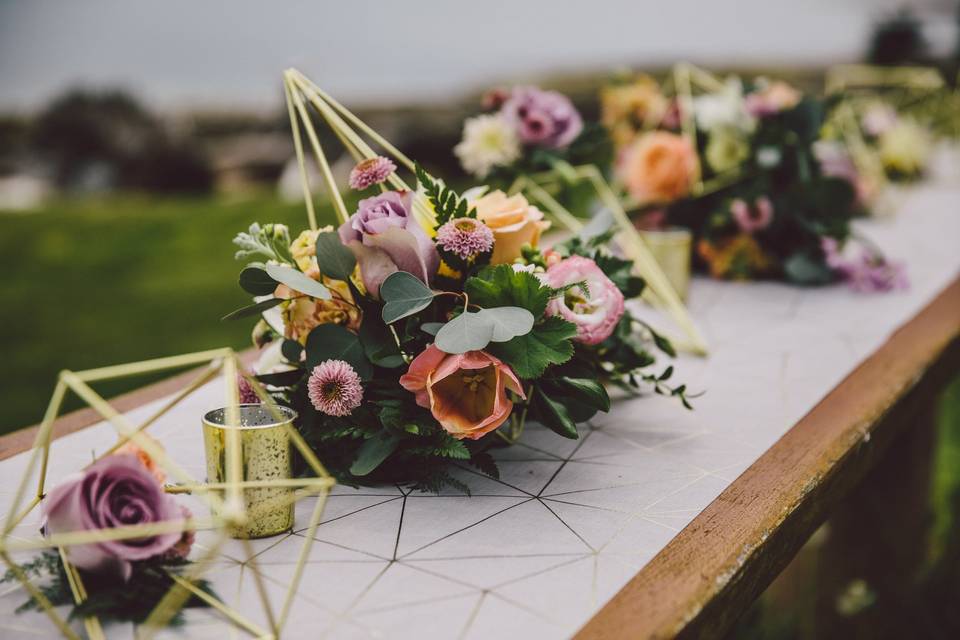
{"x":226,"y":500}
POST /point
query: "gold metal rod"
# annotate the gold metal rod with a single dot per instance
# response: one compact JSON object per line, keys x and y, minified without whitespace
{"x":334,"y":192}
{"x":298,"y":148}
{"x":91,"y":623}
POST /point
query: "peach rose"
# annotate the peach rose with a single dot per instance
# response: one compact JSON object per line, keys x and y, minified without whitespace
{"x":659,"y":167}
{"x":303,"y":313}
{"x":466,"y":393}
{"x":514,"y":222}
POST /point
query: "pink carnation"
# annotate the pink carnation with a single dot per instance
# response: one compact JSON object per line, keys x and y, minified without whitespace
{"x":246,"y":391}
{"x":334,"y":388}
{"x":370,"y":172}
{"x":465,"y":237}
{"x":595,"y":308}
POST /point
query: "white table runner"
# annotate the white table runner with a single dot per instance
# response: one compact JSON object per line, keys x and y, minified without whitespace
{"x":536,"y":554}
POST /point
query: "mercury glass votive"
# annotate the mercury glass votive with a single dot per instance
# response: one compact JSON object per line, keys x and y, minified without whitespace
{"x":266,"y":455}
{"x":671,"y":248}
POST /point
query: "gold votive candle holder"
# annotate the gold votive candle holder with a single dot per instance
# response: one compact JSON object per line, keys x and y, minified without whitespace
{"x":266,"y":455}
{"x":672,"y":249}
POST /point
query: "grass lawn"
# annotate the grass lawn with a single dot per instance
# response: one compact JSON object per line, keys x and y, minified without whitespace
{"x":103,"y":281}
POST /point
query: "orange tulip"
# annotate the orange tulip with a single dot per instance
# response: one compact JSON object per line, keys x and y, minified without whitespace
{"x":465,"y":392}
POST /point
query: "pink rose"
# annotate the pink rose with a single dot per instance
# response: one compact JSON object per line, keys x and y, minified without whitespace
{"x":117,"y":491}
{"x":466,"y":393}
{"x":596,"y":313}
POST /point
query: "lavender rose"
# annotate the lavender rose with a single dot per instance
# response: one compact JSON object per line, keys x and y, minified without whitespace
{"x":385,"y":237}
{"x":114,"y":492}
{"x":542,"y":118}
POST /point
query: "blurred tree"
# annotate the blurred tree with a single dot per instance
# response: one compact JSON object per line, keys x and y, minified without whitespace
{"x":898,"y":40}
{"x":104,"y":140}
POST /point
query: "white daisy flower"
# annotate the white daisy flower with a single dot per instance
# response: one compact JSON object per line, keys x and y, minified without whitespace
{"x":488,"y":141}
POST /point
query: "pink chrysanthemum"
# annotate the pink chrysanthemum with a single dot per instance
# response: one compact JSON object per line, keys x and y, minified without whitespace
{"x":465,"y":237}
{"x":247,"y":394}
{"x":370,"y":172}
{"x":334,"y":388}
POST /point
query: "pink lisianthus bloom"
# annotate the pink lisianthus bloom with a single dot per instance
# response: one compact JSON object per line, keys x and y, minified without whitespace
{"x":752,"y":218}
{"x":385,"y":237}
{"x":595,"y":309}
{"x":466,"y":393}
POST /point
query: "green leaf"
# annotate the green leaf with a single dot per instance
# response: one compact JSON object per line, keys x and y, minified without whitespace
{"x":334,"y":259}
{"x":253,"y":309}
{"x":333,"y":342}
{"x":379,"y":345}
{"x":404,"y":296}
{"x":469,"y":331}
{"x":446,"y":203}
{"x":431,"y":327}
{"x":501,"y":286}
{"x":507,"y":322}
{"x":803,"y":268}
{"x":587,"y":391}
{"x":554,"y":415}
{"x":298,"y":281}
{"x":548,"y":343}
{"x":373,"y":452}
{"x":291,"y":350}
{"x":257,"y":282}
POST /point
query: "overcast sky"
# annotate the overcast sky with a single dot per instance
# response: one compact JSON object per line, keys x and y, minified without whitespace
{"x":190,"y":53}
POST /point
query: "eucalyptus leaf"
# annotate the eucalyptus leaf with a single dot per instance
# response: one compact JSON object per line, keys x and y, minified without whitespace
{"x":373,"y":452}
{"x":334,"y":259}
{"x":403,"y":295}
{"x":256,"y":281}
{"x":333,"y":342}
{"x":291,"y":350}
{"x":298,"y":281}
{"x":508,"y":322}
{"x":253,"y":309}
{"x":467,"y":332}
{"x":431,"y":327}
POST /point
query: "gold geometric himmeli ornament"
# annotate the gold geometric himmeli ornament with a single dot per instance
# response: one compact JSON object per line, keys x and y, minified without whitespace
{"x":227,"y":506}
{"x":861,"y":85}
{"x":349,"y":129}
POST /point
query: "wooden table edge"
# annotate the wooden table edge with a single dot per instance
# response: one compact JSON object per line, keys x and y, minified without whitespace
{"x":718,"y":564}
{"x":23,"y":439}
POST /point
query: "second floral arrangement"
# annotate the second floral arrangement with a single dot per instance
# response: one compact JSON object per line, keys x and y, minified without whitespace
{"x":746,"y":167}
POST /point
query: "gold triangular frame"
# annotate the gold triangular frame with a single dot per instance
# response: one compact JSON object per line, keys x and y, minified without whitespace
{"x":224,"y":512}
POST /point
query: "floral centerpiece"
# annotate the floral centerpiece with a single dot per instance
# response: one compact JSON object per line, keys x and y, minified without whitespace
{"x":429,"y":326}
{"x":744,"y":165}
{"x":406,"y":342}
